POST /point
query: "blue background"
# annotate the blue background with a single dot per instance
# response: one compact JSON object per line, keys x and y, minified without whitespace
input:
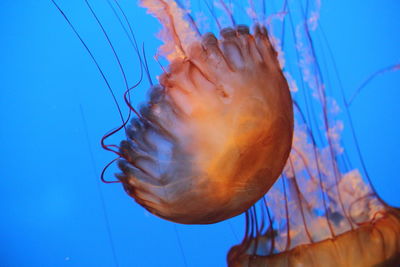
{"x":54,"y":109}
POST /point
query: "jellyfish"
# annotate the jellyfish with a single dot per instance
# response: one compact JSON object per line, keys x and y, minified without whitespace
{"x":216,"y":132}
{"x":232,"y":123}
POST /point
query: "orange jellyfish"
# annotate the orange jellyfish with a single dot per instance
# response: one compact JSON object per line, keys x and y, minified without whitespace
{"x":216,"y":132}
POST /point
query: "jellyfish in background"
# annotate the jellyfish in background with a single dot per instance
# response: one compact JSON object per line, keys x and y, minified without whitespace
{"x":223,"y":111}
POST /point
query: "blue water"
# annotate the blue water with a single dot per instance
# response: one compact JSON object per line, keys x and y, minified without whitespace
{"x":54,"y":109}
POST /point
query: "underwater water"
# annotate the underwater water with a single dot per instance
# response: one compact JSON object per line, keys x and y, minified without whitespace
{"x":55,"y":108}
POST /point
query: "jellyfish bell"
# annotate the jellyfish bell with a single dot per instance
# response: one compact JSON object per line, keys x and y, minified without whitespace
{"x":216,"y":132}
{"x":371,"y":244}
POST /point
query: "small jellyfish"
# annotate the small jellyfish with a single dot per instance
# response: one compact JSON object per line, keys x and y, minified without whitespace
{"x":217,"y":130}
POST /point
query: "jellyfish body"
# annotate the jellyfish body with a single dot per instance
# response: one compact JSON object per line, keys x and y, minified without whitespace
{"x":215,"y":134}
